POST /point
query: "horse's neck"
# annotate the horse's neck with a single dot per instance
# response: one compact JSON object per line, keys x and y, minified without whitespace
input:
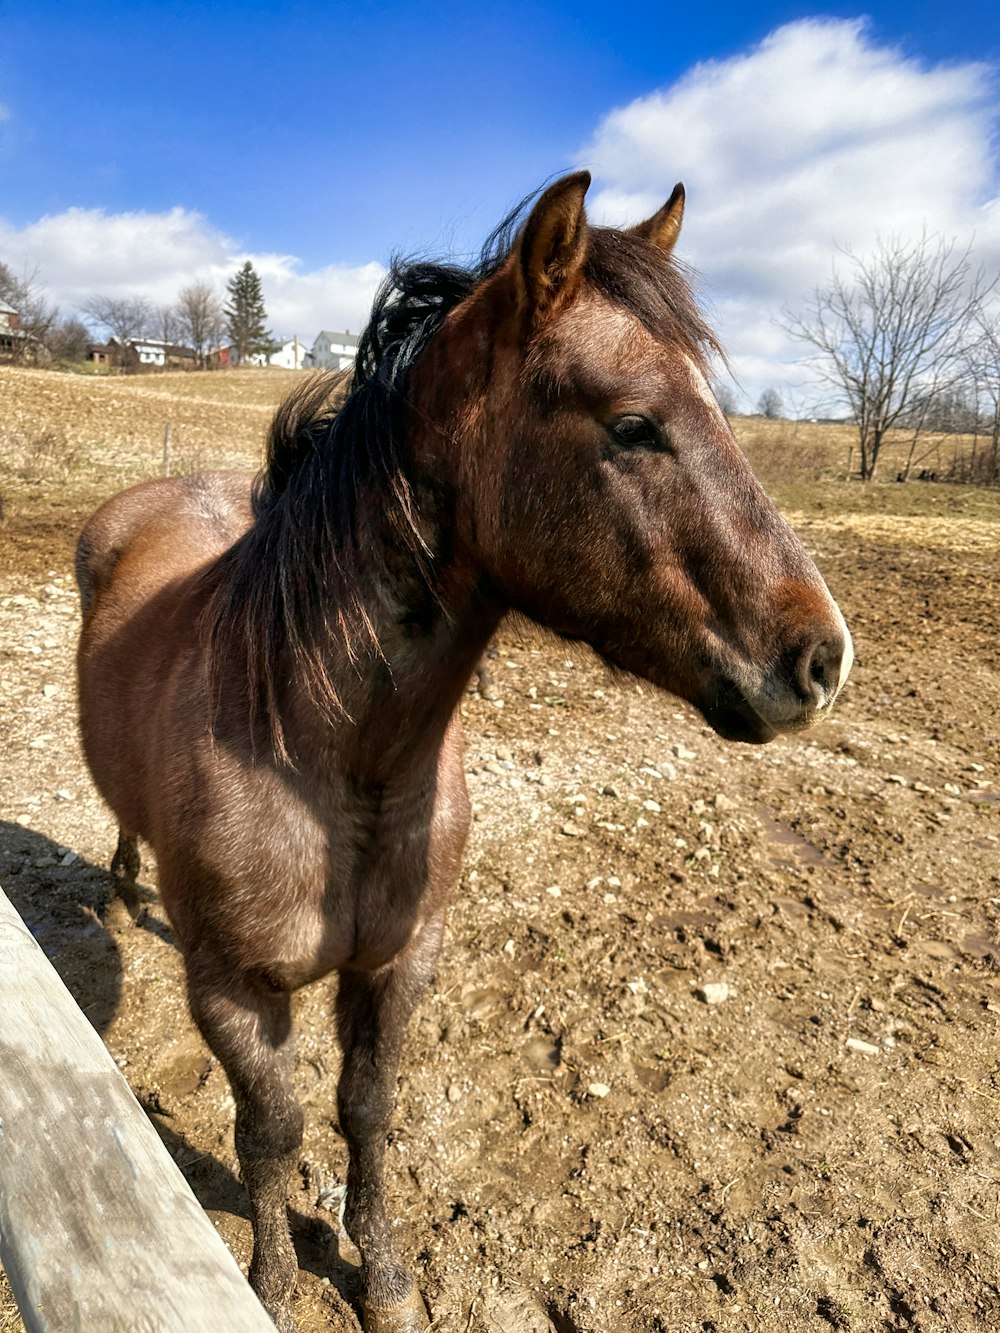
{"x":400,"y":698}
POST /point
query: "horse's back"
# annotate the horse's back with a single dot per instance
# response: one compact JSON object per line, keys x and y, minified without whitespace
{"x":158,"y":531}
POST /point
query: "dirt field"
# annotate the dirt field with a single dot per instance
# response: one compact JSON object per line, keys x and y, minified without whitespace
{"x":713,"y":1040}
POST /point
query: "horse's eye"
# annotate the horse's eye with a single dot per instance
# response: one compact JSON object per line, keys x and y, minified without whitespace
{"x":635,"y":432}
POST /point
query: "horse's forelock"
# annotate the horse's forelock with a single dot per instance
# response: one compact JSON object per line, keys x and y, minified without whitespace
{"x":634,"y":274}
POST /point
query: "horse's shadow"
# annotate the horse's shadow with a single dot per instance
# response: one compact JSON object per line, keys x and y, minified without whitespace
{"x":62,"y":899}
{"x":71,"y":907}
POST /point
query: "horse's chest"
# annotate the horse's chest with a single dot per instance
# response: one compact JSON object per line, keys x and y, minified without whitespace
{"x":356,"y":889}
{"x":376,"y":889}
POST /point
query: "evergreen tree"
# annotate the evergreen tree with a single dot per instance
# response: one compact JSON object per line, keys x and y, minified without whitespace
{"x":245,"y":314}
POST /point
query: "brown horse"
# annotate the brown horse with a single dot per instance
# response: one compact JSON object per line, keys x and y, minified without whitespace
{"x":269,"y":673}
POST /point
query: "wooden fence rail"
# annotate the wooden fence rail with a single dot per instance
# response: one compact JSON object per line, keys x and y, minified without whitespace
{"x":99,"y":1231}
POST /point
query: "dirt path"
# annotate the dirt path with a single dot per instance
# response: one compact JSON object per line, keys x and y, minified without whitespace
{"x":713,"y":1041}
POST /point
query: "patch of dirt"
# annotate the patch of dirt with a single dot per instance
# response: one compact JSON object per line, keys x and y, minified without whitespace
{"x":582,"y":1143}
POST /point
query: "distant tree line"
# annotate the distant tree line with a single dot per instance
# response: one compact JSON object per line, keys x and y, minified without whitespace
{"x":905,"y":340}
{"x":770,"y":404}
{"x":200,"y":319}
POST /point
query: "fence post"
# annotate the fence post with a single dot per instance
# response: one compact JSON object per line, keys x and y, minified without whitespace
{"x":167,"y":432}
{"x":98,"y":1228}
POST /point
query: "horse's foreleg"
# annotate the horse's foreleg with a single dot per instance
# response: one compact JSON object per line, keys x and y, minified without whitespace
{"x":372,"y":1012}
{"x":248,"y":1026}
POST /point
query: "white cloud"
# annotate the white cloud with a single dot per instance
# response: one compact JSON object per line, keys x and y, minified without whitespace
{"x":814,"y":138}
{"x":85,"y":251}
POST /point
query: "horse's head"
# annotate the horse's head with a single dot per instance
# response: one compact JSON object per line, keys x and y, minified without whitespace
{"x":608,"y":498}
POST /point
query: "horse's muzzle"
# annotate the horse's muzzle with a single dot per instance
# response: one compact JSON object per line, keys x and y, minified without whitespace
{"x":791,"y":697}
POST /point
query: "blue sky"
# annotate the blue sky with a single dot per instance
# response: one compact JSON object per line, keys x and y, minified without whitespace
{"x":178,"y":138}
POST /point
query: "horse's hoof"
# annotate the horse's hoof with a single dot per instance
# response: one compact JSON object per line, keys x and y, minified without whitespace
{"x":406,"y":1316}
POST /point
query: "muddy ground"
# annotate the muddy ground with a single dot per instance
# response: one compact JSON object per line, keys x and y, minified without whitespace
{"x":583,"y":1143}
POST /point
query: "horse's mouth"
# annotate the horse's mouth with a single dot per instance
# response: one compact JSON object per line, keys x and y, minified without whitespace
{"x":733,"y":717}
{"x":731,"y":714}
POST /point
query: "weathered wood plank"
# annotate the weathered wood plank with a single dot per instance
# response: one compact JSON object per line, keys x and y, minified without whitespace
{"x":98,"y":1228}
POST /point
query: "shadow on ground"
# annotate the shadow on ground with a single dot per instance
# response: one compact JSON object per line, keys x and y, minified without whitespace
{"x":63,"y":900}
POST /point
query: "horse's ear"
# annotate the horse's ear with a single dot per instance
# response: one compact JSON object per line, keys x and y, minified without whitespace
{"x":664,"y":227}
{"x":553,"y":244}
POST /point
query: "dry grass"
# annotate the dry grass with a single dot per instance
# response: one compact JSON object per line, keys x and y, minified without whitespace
{"x":804,"y":466}
{"x":117,"y":423}
{"x":43,"y":454}
{"x":10,"y":1320}
{"x":55,"y":426}
{"x":67,"y":442}
{"x":793,"y":452}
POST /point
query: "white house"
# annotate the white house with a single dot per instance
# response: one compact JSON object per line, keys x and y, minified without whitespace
{"x":15,"y":343}
{"x":149,"y":351}
{"x":333,"y":351}
{"x":290,"y":355}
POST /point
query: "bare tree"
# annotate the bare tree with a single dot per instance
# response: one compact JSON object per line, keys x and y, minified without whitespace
{"x":124,"y":317}
{"x":983,"y":363}
{"x":200,"y":313}
{"x":725,"y":396}
{"x":70,"y":339}
{"x":167,"y":324}
{"x":36,"y":316}
{"x":770,"y":405}
{"x":888,"y":335}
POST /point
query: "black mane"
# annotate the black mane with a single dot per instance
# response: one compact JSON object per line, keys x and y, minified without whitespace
{"x":630,"y":272}
{"x":364,"y":432}
{"x":295,"y":575}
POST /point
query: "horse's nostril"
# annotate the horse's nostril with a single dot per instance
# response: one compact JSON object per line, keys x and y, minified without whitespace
{"x":822,"y":674}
